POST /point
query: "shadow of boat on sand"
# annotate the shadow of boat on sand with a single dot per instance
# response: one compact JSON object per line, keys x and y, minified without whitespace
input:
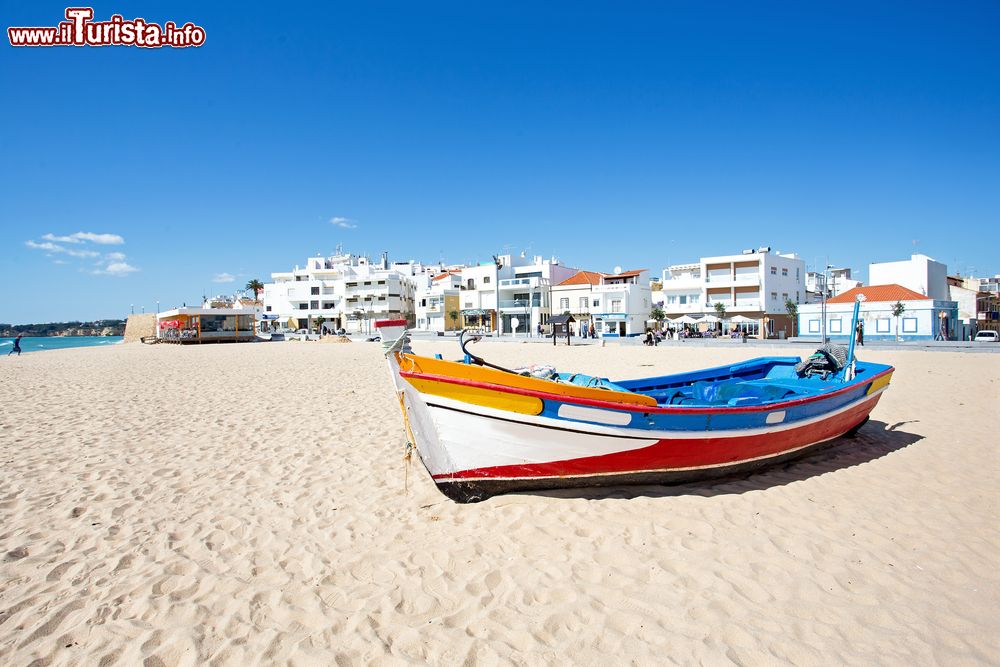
{"x":874,"y":441}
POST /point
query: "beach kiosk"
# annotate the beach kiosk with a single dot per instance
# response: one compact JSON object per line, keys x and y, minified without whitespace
{"x":205,"y":325}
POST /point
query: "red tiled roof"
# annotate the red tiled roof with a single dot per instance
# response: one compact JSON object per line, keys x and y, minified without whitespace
{"x":583,"y":278}
{"x":891,"y":292}
{"x":625,"y":274}
{"x":446,"y":274}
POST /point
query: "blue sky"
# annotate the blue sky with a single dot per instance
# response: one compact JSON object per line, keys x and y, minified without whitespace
{"x":607,"y":136}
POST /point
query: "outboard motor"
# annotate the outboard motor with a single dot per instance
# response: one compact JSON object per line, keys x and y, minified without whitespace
{"x":825,"y":362}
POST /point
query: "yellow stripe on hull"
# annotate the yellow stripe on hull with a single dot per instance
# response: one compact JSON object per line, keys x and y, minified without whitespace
{"x":879,"y":383}
{"x":489,"y":398}
{"x":412,"y":362}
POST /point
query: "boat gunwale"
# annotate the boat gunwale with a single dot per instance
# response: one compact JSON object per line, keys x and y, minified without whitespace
{"x":645,"y":409}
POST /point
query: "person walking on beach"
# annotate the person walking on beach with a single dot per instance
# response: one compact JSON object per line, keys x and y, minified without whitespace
{"x":17,"y":346}
{"x":860,"y":334}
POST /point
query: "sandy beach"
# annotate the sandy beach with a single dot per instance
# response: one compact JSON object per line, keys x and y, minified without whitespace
{"x":246,"y":504}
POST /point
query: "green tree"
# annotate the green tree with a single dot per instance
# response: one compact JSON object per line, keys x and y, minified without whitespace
{"x":657,"y":314}
{"x":897,"y":311}
{"x":793,"y":312}
{"x":453,"y":316}
{"x":256,"y":287}
{"x":319,"y":323}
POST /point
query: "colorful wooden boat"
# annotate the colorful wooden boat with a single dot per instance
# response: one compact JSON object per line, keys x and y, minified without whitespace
{"x":481,"y":431}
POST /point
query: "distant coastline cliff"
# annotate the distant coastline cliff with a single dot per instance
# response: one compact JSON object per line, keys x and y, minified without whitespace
{"x":96,"y":328}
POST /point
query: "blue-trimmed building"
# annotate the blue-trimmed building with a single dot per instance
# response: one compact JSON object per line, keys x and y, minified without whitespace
{"x":923,"y":318}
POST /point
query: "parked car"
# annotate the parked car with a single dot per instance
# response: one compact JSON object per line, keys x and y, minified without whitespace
{"x":987,"y":337}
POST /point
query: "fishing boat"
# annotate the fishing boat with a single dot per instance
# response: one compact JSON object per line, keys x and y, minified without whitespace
{"x":481,"y":429}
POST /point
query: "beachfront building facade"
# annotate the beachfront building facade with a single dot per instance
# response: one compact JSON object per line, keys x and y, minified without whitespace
{"x":922,"y":318}
{"x":343,"y":291}
{"x":510,"y":296}
{"x":613,"y":305}
{"x":833,"y":282}
{"x":753,"y":287}
{"x":438,"y":303}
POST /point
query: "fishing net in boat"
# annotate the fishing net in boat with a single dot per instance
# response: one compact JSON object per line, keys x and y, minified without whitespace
{"x":824,"y":362}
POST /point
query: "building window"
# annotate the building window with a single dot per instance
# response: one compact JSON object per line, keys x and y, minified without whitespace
{"x":784,"y":297}
{"x":882,"y":325}
{"x":471,"y":284}
{"x":303,"y":306}
{"x":836,"y":325}
{"x":314,"y":290}
{"x":796,"y":274}
{"x":583,"y":304}
{"x":616,"y":305}
{"x":774,"y":270}
{"x":796,"y":296}
{"x":909,"y":325}
{"x":486,"y":280}
{"x":564,"y":304}
{"x":814,"y":325}
{"x":267,"y":308}
{"x":774,"y":296}
{"x":596,"y":303}
{"x":784,"y":272}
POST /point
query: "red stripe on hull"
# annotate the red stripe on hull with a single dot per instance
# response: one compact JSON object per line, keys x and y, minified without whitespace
{"x":679,"y":454}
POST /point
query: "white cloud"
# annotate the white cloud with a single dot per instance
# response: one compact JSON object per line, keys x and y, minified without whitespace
{"x":342,"y":222}
{"x":119,"y":269}
{"x":224,"y":278}
{"x":118,"y":256}
{"x":53,"y":247}
{"x":82,"y":237}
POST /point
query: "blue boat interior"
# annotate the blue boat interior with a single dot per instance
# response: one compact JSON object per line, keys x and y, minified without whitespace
{"x":754,"y":382}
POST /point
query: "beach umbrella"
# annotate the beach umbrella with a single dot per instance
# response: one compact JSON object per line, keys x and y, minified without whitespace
{"x":739,"y":319}
{"x":293,"y":323}
{"x":711,"y":319}
{"x":686,"y":319}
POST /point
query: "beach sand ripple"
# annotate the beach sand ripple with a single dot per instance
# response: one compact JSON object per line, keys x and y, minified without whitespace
{"x":231,"y":505}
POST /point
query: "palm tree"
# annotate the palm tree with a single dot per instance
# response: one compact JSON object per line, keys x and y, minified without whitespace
{"x":897,"y":311}
{"x":720,"y":310}
{"x":256,"y":287}
{"x":453,"y":316}
{"x":319,"y":319}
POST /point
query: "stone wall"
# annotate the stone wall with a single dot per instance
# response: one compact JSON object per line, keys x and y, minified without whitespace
{"x":138,"y":326}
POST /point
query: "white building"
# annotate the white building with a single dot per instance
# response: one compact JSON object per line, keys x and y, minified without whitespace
{"x":837,"y":281}
{"x":920,"y":273}
{"x":348,"y":291}
{"x":967,"y":301}
{"x":519,"y":290}
{"x":923,"y":318}
{"x":755,"y":284}
{"x":613,"y":304}
{"x":438,"y":300}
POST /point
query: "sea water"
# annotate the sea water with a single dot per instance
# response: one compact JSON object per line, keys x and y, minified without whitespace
{"x":42,"y":343}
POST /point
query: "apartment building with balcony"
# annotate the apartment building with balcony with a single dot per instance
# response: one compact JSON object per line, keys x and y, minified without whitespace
{"x":348,"y":291}
{"x":612,"y":304}
{"x":438,"y":300}
{"x":510,"y":296}
{"x":755,"y":284}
